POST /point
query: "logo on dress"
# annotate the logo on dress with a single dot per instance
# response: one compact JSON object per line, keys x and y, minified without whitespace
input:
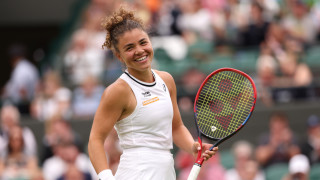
{"x":164,"y":87}
{"x":149,"y":101}
{"x":146,"y":94}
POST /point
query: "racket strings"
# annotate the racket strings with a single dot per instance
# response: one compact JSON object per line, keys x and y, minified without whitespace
{"x":224,"y":103}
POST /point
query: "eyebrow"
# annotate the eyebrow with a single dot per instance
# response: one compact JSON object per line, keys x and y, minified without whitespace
{"x":143,"y":39}
{"x":128,"y":45}
{"x":131,"y":44}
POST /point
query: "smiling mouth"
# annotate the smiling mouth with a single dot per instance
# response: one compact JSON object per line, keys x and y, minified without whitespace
{"x":141,"y":59}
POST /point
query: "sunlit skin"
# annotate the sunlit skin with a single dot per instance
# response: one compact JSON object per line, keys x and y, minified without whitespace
{"x":135,"y":51}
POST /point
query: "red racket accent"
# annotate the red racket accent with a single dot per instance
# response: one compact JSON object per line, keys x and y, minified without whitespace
{"x":224,"y":103}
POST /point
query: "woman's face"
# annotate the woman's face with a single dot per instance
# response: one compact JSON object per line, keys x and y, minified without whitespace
{"x":16,"y":139}
{"x":135,"y":50}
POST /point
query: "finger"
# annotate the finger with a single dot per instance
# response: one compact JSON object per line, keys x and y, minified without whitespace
{"x":210,"y":153}
{"x":206,"y":156}
{"x":215,"y":149}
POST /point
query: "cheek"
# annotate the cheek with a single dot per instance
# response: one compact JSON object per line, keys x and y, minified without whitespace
{"x":128,"y":55}
{"x":150,"y":50}
{"x":123,"y":56}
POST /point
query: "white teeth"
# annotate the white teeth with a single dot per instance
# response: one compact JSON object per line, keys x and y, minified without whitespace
{"x":141,"y":59}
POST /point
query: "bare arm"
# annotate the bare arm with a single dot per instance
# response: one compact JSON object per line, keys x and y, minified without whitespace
{"x":181,"y":135}
{"x":112,"y":107}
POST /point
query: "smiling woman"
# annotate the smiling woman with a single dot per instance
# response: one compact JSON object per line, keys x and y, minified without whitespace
{"x":142,"y":106}
{"x":135,"y":50}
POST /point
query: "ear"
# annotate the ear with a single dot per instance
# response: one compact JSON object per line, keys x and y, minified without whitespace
{"x":117,"y":54}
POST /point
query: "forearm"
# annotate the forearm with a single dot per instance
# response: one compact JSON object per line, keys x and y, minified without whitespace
{"x":97,"y":154}
{"x":183,"y":139}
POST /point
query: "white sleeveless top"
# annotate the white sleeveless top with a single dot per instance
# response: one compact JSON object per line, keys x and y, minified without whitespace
{"x":150,"y":124}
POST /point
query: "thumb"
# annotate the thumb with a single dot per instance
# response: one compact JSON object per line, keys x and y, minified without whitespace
{"x":196,"y":147}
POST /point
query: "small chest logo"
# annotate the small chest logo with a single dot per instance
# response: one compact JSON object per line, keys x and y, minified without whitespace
{"x":146,"y":94}
{"x":164,"y":87}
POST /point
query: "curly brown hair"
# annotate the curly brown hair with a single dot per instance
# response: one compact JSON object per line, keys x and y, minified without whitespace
{"x":118,"y":23}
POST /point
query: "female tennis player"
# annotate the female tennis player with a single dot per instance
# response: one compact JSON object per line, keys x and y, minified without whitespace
{"x":142,"y":107}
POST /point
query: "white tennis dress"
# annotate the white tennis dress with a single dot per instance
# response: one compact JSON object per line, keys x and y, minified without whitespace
{"x":146,"y":135}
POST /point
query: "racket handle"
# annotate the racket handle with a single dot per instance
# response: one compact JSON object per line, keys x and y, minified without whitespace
{"x":194,"y":172}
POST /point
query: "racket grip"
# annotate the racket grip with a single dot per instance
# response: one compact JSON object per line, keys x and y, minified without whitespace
{"x":194,"y":172}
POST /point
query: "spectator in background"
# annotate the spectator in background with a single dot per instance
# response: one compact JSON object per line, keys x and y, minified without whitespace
{"x":190,"y":83}
{"x":311,"y":147}
{"x":275,"y":37}
{"x":271,"y":7}
{"x":166,"y":23}
{"x":10,"y":118}
{"x":52,"y":99}
{"x":66,"y":157}
{"x":86,"y":98}
{"x":225,"y":31}
{"x":299,"y":168}
{"x":298,"y":23}
{"x":23,"y":81}
{"x":191,"y":80}
{"x":279,"y":145}
{"x":240,"y":12}
{"x":280,"y":67}
{"x":246,"y":168}
{"x":195,"y":22}
{"x":73,"y":173}
{"x":15,"y":163}
{"x":266,"y":68}
{"x":85,"y":55}
{"x":293,"y":72}
{"x":254,"y":33}
{"x":82,"y":59}
{"x":58,"y":130}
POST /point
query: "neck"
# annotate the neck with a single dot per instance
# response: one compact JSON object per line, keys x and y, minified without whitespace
{"x":15,"y":154}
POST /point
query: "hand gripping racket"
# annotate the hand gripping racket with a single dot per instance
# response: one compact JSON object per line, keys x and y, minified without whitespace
{"x":223,"y":105}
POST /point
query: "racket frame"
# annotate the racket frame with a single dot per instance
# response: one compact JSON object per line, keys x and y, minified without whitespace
{"x":200,"y":160}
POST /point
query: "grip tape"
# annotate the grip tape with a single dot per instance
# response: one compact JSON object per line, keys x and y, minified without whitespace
{"x":194,"y":172}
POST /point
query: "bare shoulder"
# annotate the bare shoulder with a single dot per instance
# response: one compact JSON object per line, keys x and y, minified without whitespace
{"x":167,"y":77}
{"x":117,"y":90}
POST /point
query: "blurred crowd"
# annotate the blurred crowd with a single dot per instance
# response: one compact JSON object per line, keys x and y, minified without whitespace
{"x":280,"y":31}
{"x":278,"y":154}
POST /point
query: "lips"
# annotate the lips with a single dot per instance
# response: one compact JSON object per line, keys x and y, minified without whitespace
{"x":141,"y":58}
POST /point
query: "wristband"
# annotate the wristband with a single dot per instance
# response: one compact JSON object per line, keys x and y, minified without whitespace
{"x":106,"y":175}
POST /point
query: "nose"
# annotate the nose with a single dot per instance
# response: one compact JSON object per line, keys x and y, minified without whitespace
{"x":139,"y":50}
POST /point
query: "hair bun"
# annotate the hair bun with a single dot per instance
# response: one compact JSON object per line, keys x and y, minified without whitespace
{"x":119,"y":19}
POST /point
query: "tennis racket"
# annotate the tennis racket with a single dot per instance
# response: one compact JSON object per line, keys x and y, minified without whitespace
{"x":223,"y":105}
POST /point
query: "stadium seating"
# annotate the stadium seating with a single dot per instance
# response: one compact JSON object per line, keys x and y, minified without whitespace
{"x":276,"y":171}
